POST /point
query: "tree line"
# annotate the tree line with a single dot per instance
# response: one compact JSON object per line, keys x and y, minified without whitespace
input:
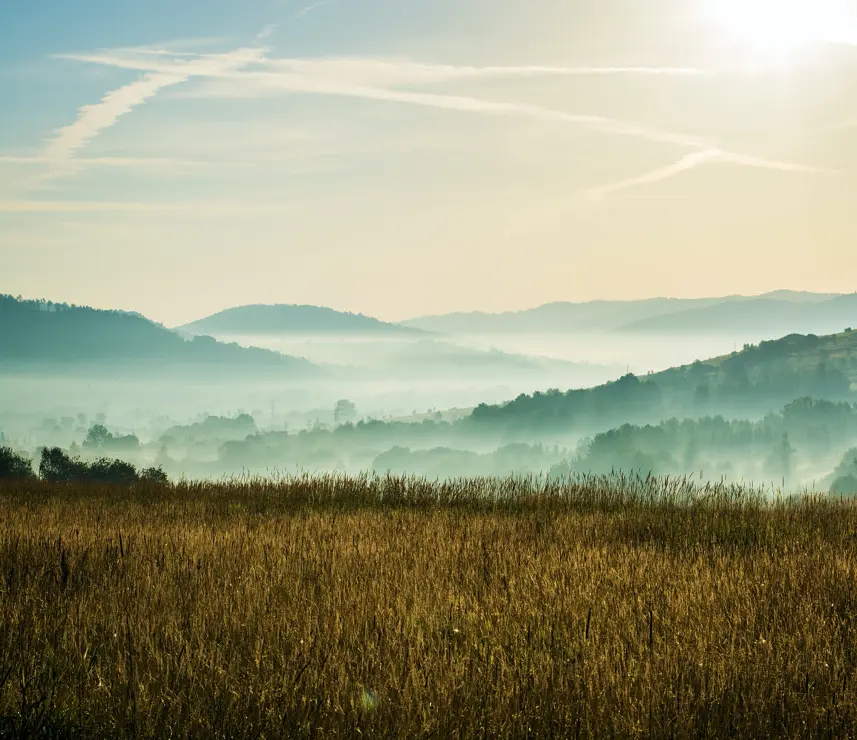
{"x":57,"y":466}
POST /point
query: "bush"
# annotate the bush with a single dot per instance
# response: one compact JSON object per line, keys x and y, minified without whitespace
{"x":112,"y":471}
{"x":57,"y":466}
{"x":14,"y":465}
{"x":154,"y":475}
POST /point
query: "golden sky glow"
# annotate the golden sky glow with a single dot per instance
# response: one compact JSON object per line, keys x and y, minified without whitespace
{"x":436,"y":155}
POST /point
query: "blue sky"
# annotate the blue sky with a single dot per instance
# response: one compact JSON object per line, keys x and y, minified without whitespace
{"x":408,"y":157}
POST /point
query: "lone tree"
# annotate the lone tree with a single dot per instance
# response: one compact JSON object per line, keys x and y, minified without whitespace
{"x":14,"y":466}
{"x":97,"y":436}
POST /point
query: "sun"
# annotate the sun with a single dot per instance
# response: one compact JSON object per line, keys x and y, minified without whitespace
{"x":780,"y":28}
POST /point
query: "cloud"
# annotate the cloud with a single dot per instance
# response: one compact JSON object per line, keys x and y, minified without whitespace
{"x":697,"y":159}
{"x":405,"y":71}
{"x":345,"y":77}
{"x":379,"y":71}
{"x":464,"y":104}
{"x":688,"y":162}
{"x":92,"y":120}
{"x":305,"y":11}
{"x":267,"y":31}
{"x":746,"y":160}
{"x":381,"y":80}
{"x":153,"y":162}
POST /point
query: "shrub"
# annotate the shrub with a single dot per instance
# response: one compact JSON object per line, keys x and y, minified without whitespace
{"x":57,"y":466}
{"x":14,"y":465}
{"x":111,"y":471}
{"x":154,"y":475}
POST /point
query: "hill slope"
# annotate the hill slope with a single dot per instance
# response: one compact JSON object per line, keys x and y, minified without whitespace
{"x":757,"y":315}
{"x":751,"y":382}
{"x":596,"y":316}
{"x":289,"y":319}
{"x":45,"y":335}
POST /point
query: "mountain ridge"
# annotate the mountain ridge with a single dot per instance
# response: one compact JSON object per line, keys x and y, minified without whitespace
{"x":298,"y":319}
{"x":760,"y":314}
{"x":566,"y":317}
{"x":39,"y":334}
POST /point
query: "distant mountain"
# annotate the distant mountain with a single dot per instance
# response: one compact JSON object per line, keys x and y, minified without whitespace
{"x":593,"y":316}
{"x":285,"y":319}
{"x":41,"y":335}
{"x":775,"y":316}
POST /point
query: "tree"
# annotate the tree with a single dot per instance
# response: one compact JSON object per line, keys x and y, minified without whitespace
{"x":57,"y":466}
{"x":97,"y":436}
{"x":111,"y":471}
{"x":14,"y":466}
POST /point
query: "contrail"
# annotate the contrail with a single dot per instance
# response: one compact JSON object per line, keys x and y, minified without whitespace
{"x":310,"y":8}
{"x":93,"y":119}
{"x":696,"y":159}
{"x":325,"y":77}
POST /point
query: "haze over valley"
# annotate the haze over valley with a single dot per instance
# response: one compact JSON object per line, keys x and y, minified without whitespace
{"x":284,"y":388}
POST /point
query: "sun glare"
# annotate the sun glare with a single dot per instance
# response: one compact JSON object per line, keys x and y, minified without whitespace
{"x":779,"y":28}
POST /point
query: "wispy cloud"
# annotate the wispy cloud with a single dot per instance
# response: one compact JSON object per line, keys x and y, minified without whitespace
{"x":382,"y":71}
{"x":267,"y":31}
{"x":697,"y":159}
{"x":466,"y":104}
{"x":362,"y":79}
{"x":382,"y":80}
{"x":306,"y":10}
{"x":92,"y":120}
{"x":153,"y":162}
{"x":688,"y":162}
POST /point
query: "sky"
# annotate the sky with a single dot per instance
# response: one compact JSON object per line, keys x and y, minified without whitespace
{"x":408,"y":157}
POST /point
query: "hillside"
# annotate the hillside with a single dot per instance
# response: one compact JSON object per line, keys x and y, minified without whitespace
{"x":41,"y":335}
{"x":287,"y":319}
{"x":764,"y":315}
{"x":599,"y":316}
{"x":751,"y":382}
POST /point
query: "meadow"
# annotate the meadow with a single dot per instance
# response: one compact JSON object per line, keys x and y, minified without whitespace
{"x":383,"y":606}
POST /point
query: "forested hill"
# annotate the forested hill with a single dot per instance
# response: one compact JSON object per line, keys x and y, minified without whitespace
{"x":45,"y":335}
{"x":754,"y":381}
{"x":284,"y":319}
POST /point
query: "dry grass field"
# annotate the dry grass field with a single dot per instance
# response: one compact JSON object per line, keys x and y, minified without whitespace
{"x":337,"y":607}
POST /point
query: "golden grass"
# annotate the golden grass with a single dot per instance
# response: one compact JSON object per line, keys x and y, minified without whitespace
{"x":330,"y":607}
